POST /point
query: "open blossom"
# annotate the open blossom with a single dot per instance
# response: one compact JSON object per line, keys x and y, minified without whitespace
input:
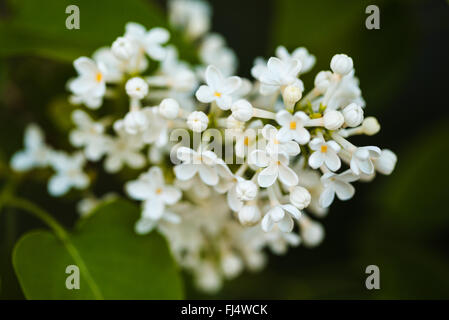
{"x":307,"y":60}
{"x":202,"y":162}
{"x":361,"y":161}
{"x":293,"y":127}
{"x":69,"y":173}
{"x":279,"y":74}
{"x":275,"y":146}
{"x":280,"y":215}
{"x":150,"y":41}
{"x":88,"y":134}
{"x":151,"y":188}
{"x":337,"y":184}
{"x":218,"y":88}
{"x":325,"y":152}
{"x":276,"y":166}
{"x":36,"y":153}
{"x":90,"y":82}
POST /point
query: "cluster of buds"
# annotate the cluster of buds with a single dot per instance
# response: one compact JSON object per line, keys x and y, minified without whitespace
{"x":226,"y":166}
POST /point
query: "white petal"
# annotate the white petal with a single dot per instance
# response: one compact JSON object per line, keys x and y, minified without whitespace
{"x":143,"y":226}
{"x":327,"y":197}
{"x":268,"y":176}
{"x":208,"y":174}
{"x":276,"y":213}
{"x":259,"y":158}
{"x":58,"y":185}
{"x":205,"y":94}
{"x":302,"y":135}
{"x":332,"y":160}
{"x":286,"y":224}
{"x":153,"y":209}
{"x":185,"y":154}
{"x":316,"y":159}
{"x":284,"y":118}
{"x":231,"y":84}
{"x":344,"y":190}
{"x":185,"y":171}
{"x":292,"y":210}
{"x":267,"y":224}
{"x":213,"y":76}
{"x":233,"y":201}
{"x":224,"y":102}
{"x":170,"y":195}
{"x":287,"y":175}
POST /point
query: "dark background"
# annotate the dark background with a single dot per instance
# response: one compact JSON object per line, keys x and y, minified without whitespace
{"x":399,"y":223}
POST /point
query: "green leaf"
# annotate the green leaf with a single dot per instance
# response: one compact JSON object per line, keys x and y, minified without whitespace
{"x":114,"y":262}
{"x":38,"y":27}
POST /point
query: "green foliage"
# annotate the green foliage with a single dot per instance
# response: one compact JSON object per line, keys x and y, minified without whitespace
{"x":114,"y":262}
{"x":38,"y":27}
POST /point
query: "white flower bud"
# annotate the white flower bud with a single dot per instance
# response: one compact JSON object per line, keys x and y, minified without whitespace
{"x":234,"y":124}
{"x":322,"y":80}
{"x":137,"y":88}
{"x":169,"y":108}
{"x":242,"y":110}
{"x":386,"y":162}
{"x":371,"y":126}
{"x":341,"y":64}
{"x":197,"y":121}
{"x":123,"y":48}
{"x":291,"y":95}
{"x":353,"y":114}
{"x":312,"y":233}
{"x":246,"y":190}
{"x":249,"y":215}
{"x":333,"y":119}
{"x":231,"y":265}
{"x":300,"y":197}
{"x":135,"y":121}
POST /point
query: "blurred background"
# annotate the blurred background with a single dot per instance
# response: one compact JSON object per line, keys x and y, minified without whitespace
{"x":399,"y":223}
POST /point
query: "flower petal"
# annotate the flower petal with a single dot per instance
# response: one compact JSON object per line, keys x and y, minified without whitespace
{"x":287,"y":175}
{"x":185,"y":171}
{"x":208,"y":174}
{"x":316,"y":159}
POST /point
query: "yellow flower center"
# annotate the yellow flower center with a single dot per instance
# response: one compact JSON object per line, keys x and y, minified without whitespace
{"x":323,"y":148}
{"x":276,"y":141}
{"x":158,"y":191}
{"x":246,"y":141}
{"x":217,"y":94}
{"x":278,"y":163}
{"x":99,"y":77}
{"x":293,"y":125}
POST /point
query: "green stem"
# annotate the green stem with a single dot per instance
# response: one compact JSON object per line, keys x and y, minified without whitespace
{"x":60,"y":233}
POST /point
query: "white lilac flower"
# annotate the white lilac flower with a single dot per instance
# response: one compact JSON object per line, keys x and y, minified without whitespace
{"x":280,"y":74}
{"x":124,"y":150}
{"x":249,"y":215}
{"x":242,"y":110}
{"x":151,"y":188}
{"x":325,"y":152}
{"x":36,"y":153}
{"x":275,"y":166}
{"x":300,"y":197}
{"x":386,"y":162}
{"x":353,"y":114}
{"x":69,"y":173}
{"x":213,"y":51}
{"x":169,"y":108}
{"x":202,"y":162}
{"x":292,"y":127}
{"x":136,"y":88}
{"x":150,"y":41}
{"x":280,"y":215}
{"x":123,"y":48}
{"x":135,"y":121}
{"x":341,"y":64}
{"x":275,"y":146}
{"x":90,"y":81}
{"x":191,"y":16}
{"x":338,"y":184}
{"x":362,"y":159}
{"x":307,"y":60}
{"x":88,"y":134}
{"x":218,"y":88}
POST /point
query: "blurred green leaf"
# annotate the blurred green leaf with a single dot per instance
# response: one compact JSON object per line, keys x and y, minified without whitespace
{"x":120,"y":264}
{"x":38,"y":27}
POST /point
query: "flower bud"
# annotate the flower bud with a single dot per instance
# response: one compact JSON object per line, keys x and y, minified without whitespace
{"x":386,"y":162}
{"x":246,"y":190}
{"x":197,"y":121}
{"x":312,"y":233}
{"x":249,"y":215}
{"x":137,"y":88}
{"x":135,"y":121}
{"x":123,"y":48}
{"x":353,"y":114}
{"x":322,"y":80}
{"x":300,"y":197}
{"x":169,"y":108}
{"x":371,"y":126}
{"x":291,"y":95}
{"x":341,"y":64}
{"x":231,"y":264}
{"x":333,"y":120}
{"x":242,"y":110}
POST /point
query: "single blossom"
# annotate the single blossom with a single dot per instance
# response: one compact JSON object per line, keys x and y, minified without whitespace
{"x":202,"y":162}
{"x":338,"y":184}
{"x":325,"y":152}
{"x":293,"y":127}
{"x":281,"y":215}
{"x":362,"y":160}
